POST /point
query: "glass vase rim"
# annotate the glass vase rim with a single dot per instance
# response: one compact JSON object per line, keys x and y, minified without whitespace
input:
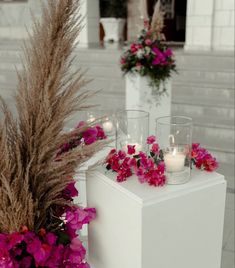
{"x":187,"y":123}
{"x":144,"y":114}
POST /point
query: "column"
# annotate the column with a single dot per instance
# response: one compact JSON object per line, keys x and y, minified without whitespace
{"x":91,"y":19}
{"x":223,"y":26}
{"x":199,"y":24}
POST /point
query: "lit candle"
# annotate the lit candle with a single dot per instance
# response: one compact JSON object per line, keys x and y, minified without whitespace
{"x":174,"y":161}
{"x":108,"y":126}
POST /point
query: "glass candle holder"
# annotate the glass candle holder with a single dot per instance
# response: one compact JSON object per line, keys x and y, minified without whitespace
{"x":132,"y":129}
{"x":106,"y":119}
{"x":174,"y":135}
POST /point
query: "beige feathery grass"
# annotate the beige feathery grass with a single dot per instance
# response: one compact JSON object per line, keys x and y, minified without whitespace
{"x":157,"y":22}
{"x":30,"y":179}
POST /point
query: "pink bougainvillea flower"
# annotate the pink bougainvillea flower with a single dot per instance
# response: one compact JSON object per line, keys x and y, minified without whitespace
{"x":70,"y":191}
{"x":100,"y":133}
{"x":121,"y":154}
{"x":123,"y":174}
{"x":155,"y":148}
{"x":151,"y":139}
{"x":90,"y":135}
{"x":14,"y":239}
{"x":209,"y":163}
{"x":51,"y":239}
{"x":26,"y":262}
{"x":203,"y":159}
{"x":76,"y":217}
{"x":131,"y":149}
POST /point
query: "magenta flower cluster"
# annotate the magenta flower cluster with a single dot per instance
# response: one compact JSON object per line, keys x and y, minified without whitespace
{"x":202,"y":159}
{"x":149,"y":57}
{"x":63,"y":248}
{"x":147,"y":169}
{"x":87,"y":137}
{"x":151,"y":168}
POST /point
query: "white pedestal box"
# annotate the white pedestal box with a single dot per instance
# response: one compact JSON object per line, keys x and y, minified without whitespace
{"x":140,"y":96}
{"x":81,"y":180}
{"x":139,"y":226}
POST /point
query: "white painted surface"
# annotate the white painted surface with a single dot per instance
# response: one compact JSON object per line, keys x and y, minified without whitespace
{"x":90,"y":14}
{"x":140,"y":96}
{"x":81,"y":178}
{"x":145,"y":227}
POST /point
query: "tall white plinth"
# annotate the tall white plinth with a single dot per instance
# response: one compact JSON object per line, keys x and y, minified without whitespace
{"x":139,"y":226}
{"x":141,"y":96}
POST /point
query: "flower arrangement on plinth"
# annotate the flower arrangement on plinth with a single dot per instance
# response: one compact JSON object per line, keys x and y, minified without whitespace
{"x":149,"y":56}
{"x":39,"y":221}
{"x":151,"y":168}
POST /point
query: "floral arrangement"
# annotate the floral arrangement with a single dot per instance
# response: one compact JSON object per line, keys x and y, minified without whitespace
{"x":61,"y":247}
{"x":151,"y":168}
{"x":39,"y":221}
{"x":148,"y":55}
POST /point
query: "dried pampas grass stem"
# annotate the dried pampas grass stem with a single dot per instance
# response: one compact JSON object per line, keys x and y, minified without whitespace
{"x":30,"y":180}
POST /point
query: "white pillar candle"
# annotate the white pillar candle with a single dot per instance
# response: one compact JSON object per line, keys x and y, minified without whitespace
{"x":174,"y":161}
{"x":108,"y":126}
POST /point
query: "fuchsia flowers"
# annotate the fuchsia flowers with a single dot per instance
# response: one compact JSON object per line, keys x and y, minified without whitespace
{"x":63,"y":248}
{"x":147,"y":169}
{"x":87,"y":137}
{"x":151,"y":168}
{"x":202,"y":159}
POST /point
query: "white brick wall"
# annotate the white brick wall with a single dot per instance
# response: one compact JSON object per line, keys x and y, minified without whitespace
{"x":223,"y":26}
{"x":90,"y":31}
{"x":210,"y":25}
{"x":198,"y":24}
